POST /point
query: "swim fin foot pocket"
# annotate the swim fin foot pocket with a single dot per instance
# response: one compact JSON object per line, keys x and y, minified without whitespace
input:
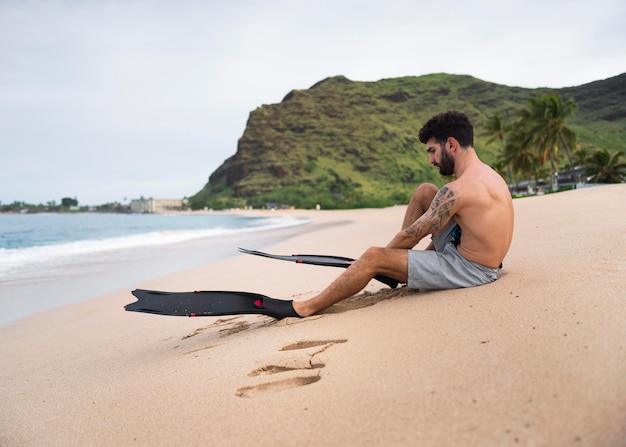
{"x":279,"y":308}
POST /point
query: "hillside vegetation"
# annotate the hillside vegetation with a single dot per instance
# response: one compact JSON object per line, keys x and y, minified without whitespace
{"x":346,"y":144}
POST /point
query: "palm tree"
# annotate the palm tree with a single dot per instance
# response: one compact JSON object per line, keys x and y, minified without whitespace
{"x":520,"y":156}
{"x":559,"y":110}
{"x":544,"y":121}
{"x":606,"y":167}
{"x":495,"y":130}
{"x":581,"y":156}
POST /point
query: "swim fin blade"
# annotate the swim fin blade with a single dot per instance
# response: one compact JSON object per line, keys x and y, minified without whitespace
{"x":209,"y":304}
{"x":323,"y":260}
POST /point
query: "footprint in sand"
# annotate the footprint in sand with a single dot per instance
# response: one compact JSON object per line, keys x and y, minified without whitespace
{"x":217,"y":323}
{"x":223,"y":327}
{"x":251,"y":391}
{"x":304,"y":362}
{"x":235,"y":328}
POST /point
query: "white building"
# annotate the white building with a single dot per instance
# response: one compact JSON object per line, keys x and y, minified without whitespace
{"x":157,"y":205}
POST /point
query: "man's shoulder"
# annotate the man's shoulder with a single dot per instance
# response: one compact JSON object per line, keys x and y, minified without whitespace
{"x":482,"y":174}
{"x":477,"y":187}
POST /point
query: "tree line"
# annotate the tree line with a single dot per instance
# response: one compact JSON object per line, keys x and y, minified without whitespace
{"x":67,"y":205}
{"x":532,"y":147}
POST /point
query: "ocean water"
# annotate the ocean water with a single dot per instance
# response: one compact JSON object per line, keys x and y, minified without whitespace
{"x":51,"y":260}
{"x":29,"y":241}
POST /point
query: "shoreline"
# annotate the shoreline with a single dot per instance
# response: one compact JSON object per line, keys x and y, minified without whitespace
{"x":536,"y":358}
{"x":87,"y":276}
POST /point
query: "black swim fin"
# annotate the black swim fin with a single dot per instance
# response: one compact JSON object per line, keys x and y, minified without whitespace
{"x":323,"y":260}
{"x":209,"y":304}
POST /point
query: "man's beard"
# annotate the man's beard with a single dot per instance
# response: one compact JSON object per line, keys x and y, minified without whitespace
{"x":446,"y":166}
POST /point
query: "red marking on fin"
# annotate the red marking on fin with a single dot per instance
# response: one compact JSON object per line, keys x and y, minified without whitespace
{"x":258,"y":303}
{"x":299,"y":261}
{"x":192,"y":315}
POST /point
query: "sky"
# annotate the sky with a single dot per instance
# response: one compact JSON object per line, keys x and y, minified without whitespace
{"x":107,"y":101}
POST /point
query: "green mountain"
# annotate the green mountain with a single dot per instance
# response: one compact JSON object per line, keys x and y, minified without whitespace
{"x":346,"y":144}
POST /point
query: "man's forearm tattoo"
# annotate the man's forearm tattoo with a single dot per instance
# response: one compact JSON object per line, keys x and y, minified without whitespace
{"x":434,"y":218}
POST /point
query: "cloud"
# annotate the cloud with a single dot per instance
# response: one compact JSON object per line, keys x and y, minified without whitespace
{"x":110,"y":99}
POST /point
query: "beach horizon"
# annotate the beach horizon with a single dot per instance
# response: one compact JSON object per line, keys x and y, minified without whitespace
{"x":536,"y":358}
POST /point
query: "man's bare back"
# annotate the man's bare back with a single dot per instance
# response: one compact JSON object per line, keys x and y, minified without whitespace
{"x":485,"y":215}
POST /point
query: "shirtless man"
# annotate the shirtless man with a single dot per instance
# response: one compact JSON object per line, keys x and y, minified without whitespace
{"x":477,"y":205}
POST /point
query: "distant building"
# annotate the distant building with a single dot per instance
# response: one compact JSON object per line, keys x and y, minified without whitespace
{"x":157,"y":205}
{"x":566,"y":178}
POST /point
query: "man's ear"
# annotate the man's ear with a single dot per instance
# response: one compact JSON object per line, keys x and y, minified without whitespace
{"x":451,"y":144}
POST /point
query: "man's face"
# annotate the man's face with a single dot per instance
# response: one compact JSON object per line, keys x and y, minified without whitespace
{"x":439,"y":157}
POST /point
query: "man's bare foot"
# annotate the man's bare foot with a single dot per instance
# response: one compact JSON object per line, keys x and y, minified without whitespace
{"x":302,"y":309}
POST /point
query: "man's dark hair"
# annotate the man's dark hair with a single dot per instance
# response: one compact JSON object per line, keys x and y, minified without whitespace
{"x":449,"y":124}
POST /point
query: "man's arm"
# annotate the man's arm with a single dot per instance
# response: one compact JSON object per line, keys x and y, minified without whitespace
{"x":441,"y":209}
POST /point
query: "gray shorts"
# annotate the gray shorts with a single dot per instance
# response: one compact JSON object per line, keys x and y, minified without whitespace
{"x":444,"y":267}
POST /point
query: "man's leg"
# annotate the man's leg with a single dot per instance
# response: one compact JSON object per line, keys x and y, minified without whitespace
{"x":420,"y":201}
{"x":375,"y":261}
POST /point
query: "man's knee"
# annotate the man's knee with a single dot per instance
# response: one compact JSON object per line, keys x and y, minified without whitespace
{"x":373,"y":256}
{"x":426,"y":190}
{"x":424,"y":194}
{"x":385,"y":261}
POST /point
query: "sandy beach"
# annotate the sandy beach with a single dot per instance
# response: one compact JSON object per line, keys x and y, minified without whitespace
{"x":537,"y":358}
